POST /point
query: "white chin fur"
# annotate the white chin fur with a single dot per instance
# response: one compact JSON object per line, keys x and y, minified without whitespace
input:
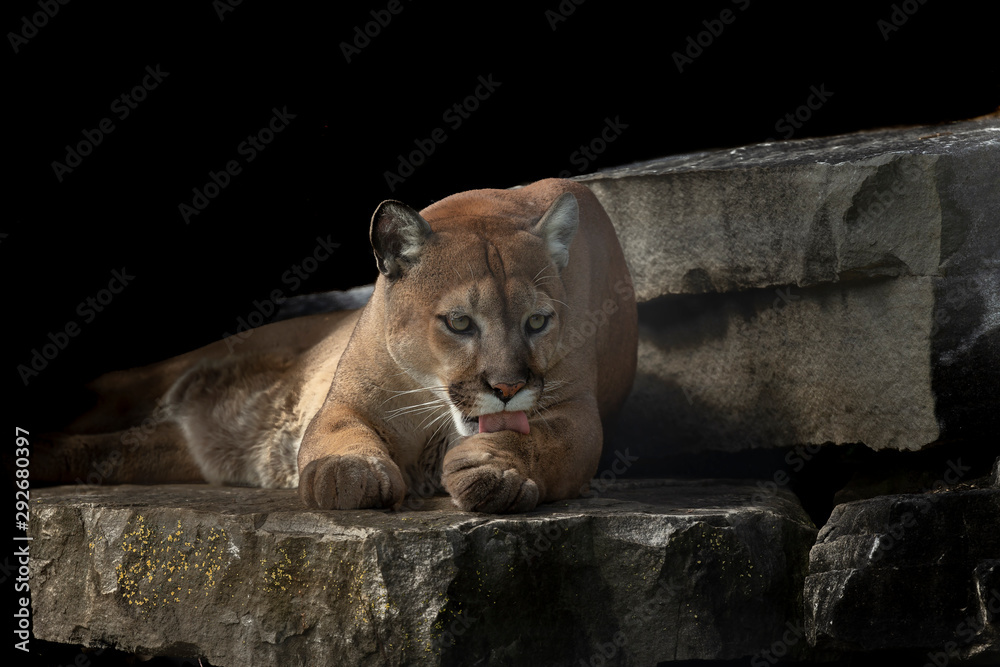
{"x":488,"y":404}
{"x":463,"y":427}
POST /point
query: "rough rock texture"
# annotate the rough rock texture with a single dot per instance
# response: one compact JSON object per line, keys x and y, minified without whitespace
{"x":890,"y":203}
{"x":842,"y":289}
{"x":915,"y":571}
{"x":640,"y":572}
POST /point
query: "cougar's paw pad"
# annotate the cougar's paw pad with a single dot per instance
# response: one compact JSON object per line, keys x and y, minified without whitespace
{"x":479,"y":482}
{"x":349,"y":481}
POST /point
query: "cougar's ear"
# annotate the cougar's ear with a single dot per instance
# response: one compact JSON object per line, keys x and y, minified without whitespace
{"x":558,"y":227}
{"x":397,"y":235}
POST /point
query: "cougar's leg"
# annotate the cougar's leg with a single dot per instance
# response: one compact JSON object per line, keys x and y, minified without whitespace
{"x":130,"y":433}
{"x":152,"y":452}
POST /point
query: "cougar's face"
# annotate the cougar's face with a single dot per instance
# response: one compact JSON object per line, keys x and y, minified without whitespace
{"x":487,"y":331}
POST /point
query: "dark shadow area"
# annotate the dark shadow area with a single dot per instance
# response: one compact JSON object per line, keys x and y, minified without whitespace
{"x":823,"y":476}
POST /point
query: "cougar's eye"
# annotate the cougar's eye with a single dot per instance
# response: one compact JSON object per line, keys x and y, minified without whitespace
{"x":459,"y":323}
{"x":536,"y":322}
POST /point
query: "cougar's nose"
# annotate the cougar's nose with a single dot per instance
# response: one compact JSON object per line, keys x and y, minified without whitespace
{"x":505,"y":391}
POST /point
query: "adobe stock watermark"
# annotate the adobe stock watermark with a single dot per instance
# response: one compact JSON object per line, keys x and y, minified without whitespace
{"x":960,"y":293}
{"x":122,"y":107}
{"x":898,"y":17}
{"x":562,"y":12}
{"x":130,"y":439}
{"x":576,"y":336}
{"x":643,"y":613}
{"x":587,"y":153}
{"x":454,"y":116}
{"x":294,"y":276}
{"x":884,"y":199}
{"x":893,"y":533}
{"x":7,"y":569}
{"x":552,"y":534}
{"x":30,"y":25}
{"x":223,"y":7}
{"x":794,"y":633}
{"x":698,"y":43}
{"x":87,"y":309}
{"x":248,"y":149}
{"x":417,"y":496}
{"x":795,"y":459}
{"x":606,"y":651}
{"x":794,"y":120}
{"x":966,"y":631}
{"x":363,"y":34}
{"x":749,"y":331}
{"x":449,"y":636}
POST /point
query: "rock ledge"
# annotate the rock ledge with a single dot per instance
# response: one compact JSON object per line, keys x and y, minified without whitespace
{"x":646,"y":570}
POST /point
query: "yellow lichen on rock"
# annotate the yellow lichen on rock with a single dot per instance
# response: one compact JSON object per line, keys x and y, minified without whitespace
{"x":153,"y":557}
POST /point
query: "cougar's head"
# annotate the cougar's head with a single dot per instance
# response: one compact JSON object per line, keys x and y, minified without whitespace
{"x":475,"y":306}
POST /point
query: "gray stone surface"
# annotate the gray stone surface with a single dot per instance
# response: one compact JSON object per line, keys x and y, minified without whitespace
{"x":641,"y":572}
{"x":914,"y":571}
{"x":784,"y":367}
{"x":893,"y":202}
{"x":842,"y":289}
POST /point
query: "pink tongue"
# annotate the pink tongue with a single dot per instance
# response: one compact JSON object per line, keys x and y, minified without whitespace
{"x":504,"y":421}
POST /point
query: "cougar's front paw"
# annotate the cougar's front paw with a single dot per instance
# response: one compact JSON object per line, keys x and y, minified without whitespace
{"x":481,"y":481}
{"x":348,"y":481}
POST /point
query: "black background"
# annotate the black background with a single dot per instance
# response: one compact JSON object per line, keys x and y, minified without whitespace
{"x":324,"y":175}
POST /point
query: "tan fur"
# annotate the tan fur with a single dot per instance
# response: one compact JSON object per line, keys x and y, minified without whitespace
{"x":384,"y":400}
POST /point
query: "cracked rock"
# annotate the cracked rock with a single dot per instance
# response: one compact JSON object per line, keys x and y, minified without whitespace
{"x":832,"y":290}
{"x":913,"y":571}
{"x":641,"y":572}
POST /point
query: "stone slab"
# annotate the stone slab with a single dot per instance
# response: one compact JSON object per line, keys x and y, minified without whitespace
{"x":640,"y":572}
{"x":912,"y":201}
{"x":837,"y":290}
{"x":783,"y":367}
{"x":913,"y":571}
